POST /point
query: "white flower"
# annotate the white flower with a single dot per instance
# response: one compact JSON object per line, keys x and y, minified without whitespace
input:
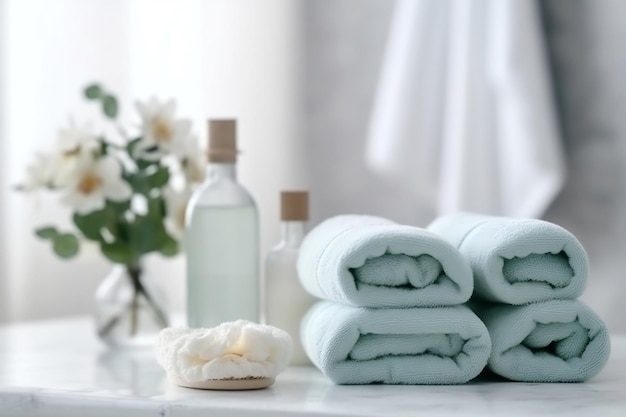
{"x":194,"y":168}
{"x":75,"y":145}
{"x":161,"y":129}
{"x":193,"y":161}
{"x":176,"y":205}
{"x":94,"y":182}
{"x":40,"y":173}
{"x":77,"y":139}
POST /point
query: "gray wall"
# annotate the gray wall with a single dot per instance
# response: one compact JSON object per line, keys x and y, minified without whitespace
{"x":3,"y":185}
{"x":343,"y":46}
{"x":587,"y":43}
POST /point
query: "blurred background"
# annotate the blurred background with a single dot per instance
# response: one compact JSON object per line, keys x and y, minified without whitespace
{"x":407,"y":109}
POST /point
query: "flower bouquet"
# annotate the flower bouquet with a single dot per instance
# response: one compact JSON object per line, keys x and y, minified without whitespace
{"x":127,"y":193}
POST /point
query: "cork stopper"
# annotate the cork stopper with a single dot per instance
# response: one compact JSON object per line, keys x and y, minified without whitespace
{"x":294,"y":205}
{"x":222,"y":141}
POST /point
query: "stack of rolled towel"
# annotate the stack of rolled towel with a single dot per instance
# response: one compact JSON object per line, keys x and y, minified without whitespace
{"x":393,"y":310}
{"x":527,"y":276}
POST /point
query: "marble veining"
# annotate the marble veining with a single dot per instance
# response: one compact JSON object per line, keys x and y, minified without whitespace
{"x":58,"y":368}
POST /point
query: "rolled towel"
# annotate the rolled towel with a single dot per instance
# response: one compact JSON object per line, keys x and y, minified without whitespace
{"x":551,"y":341}
{"x":369,"y":261}
{"x":517,"y":261}
{"x":358,"y":345}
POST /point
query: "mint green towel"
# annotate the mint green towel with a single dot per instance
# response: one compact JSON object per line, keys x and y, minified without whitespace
{"x":355,"y":345}
{"x":551,"y":341}
{"x":517,"y":261}
{"x":369,"y":261}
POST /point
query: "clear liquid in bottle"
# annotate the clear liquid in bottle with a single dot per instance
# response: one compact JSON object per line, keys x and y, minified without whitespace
{"x":222,"y":240}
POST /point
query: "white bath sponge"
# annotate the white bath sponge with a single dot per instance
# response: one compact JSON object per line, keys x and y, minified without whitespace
{"x":238,"y":350}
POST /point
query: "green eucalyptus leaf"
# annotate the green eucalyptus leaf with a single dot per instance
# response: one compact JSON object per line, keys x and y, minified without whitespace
{"x":65,"y":245}
{"x":169,"y":247}
{"x":143,"y":183}
{"x":109,"y":106}
{"x":93,"y":91}
{"x":90,"y":225}
{"x":147,"y":234}
{"x":120,"y":207}
{"x":130,"y":146}
{"x":138,"y":182}
{"x":104,"y":147}
{"x":160,"y":178}
{"x":122,"y":231}
{"x":48,"y":232}
{"x":153,"y":148}
{"x":144,"y":163}
{"x":117,"y":252}
{"x":156,"y":207}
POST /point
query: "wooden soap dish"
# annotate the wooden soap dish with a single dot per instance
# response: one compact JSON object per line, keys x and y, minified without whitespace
{"x":226,"y":384}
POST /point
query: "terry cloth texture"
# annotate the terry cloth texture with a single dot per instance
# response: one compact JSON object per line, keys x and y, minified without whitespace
{"x":357,"y":345}
{"x":369,"y":261}
{"x":517,"y":261}
{"x":551,"y":341}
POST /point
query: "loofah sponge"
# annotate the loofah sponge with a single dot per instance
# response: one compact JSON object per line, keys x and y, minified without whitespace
{"x":233,"y":355}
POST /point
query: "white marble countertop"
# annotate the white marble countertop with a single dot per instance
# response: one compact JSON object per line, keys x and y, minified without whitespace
{"x":57,"y":368}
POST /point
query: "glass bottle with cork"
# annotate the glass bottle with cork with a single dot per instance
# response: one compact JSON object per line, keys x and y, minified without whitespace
{"x":285,"y":300}
{"x":222,"y":239}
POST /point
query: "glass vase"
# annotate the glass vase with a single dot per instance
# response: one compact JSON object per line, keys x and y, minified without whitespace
{"x":130,"y":312}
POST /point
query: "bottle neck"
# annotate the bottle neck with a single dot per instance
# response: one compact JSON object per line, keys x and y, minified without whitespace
{"x":222,"y":170}
{"x":292,"y":234}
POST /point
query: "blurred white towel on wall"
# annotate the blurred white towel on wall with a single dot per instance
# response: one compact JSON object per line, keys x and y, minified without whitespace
{"x":464,"y":111}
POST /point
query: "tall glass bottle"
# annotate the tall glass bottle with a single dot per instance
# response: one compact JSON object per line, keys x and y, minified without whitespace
{"x":285,"y":301}
{"x":222,"y":239}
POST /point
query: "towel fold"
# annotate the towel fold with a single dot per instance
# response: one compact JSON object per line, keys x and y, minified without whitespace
{"x":357,"y":345}
{"x":551,"y":341}
{"x":517,"y":261}
{"x":369,"y":261}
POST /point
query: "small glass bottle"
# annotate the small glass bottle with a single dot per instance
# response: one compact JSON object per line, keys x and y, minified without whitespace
{"x":222,"y":240}
{"x":285,"y":301}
